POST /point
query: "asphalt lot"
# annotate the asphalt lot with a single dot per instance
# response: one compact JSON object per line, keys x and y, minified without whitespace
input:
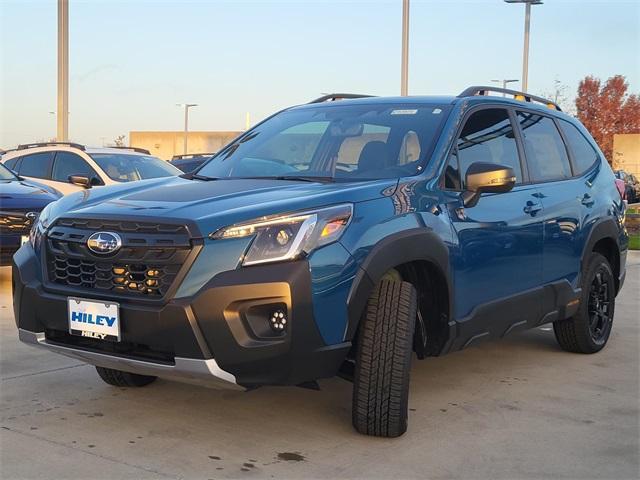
{"x":519,"y":408}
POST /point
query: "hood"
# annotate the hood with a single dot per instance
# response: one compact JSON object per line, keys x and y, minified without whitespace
{"x":216,"y":203}
{"x":25,"y":195}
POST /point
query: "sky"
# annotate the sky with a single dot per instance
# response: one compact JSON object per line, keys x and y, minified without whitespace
{"x":131,"y":62}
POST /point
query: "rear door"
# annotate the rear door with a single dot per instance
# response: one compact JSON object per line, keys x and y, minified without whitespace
{"x":567,"y":200}
{"x":497,"y":264}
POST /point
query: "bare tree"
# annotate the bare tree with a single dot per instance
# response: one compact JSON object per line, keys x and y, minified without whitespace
{"x":560,"y":96}
{"x":119,"y":141}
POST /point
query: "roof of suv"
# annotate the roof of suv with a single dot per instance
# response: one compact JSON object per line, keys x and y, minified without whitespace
{"x":431,"y":100}
{"x":477,"y":94}
{"x":70,"y":147}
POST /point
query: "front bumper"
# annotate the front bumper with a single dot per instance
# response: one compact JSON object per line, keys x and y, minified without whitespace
{"x":221,"y":333}
{"x":182,"y":368}
{"x":9,"y":245}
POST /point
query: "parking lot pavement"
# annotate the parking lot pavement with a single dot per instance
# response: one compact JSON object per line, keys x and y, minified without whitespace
{"x":519,"y":408}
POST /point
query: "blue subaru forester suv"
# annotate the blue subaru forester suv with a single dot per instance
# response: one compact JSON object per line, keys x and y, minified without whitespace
{"x":336,"y":238}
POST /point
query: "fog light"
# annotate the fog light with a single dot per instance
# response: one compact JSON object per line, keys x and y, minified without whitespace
{"x":278,"y":321}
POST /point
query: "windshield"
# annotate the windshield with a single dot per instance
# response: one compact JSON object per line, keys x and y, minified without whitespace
{"x":349,"y":142}
{"x":6,"y":174}
{"x":128,"y":168}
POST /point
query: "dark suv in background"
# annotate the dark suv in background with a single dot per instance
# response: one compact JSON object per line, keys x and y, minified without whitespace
{"x":20,"y":204}
{"x":337,"y":237}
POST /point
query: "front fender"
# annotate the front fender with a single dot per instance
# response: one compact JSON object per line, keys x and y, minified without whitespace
{"x":416,"y":244}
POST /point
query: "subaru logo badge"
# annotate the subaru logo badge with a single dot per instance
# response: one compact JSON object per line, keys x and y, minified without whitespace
{"x":31,"y":216}
{"x":104,"y":243}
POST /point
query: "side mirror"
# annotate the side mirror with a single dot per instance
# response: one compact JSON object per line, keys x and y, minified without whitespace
{"x":486,"y":178}
{"x":80,"y":180}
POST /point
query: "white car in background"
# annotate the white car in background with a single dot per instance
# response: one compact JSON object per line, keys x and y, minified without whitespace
{"x":71,"y":167}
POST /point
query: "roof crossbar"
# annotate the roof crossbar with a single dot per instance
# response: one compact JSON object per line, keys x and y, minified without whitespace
{"x":48,"y":144}
{"x":332,"y":97}
{"x":526,"y":97}
{"x":135,"y":149}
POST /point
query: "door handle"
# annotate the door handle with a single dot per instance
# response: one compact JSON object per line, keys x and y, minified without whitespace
{"x":587,"y":200}
{"x":532,"y":208}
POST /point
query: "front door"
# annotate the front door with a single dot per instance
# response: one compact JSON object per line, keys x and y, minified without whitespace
{"x":497,"y":263}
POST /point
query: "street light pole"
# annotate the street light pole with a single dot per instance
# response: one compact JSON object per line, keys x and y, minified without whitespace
{"x":186,"y":122}
{"x":404,"y":74}
{"x":525,"y":52}
{"x":62,"y":134}
{"x":527,"y":25}
{"x":504,"y":83}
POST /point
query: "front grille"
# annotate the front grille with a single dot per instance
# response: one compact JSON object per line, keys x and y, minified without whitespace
{"x":16,"y":223}
{"x":146,"y":265}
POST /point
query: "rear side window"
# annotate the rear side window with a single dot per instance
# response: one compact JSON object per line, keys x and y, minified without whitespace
{"x":584,"y":155}
{"x":37,"y":165}
{"x":67,"y":164}
{"x":546,"y":153}
{"x":487,"y":137}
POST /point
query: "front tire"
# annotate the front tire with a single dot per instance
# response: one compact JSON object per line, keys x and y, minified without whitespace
{"x":383,"y":362}
{"x":589,"y":329}
{"x":118,"y":378}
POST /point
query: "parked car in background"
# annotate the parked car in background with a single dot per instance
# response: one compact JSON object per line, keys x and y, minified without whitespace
{"x":337,"y":237}
{"x":622,"y":189}
{"x":189,"y":162}
{"x":632,"y":185}
{"x":20,"y":203}
{"x":71,"y":167}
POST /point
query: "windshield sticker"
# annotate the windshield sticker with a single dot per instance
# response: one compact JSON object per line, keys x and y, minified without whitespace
{"x":404,"y":112}
{"x":436,"y":111}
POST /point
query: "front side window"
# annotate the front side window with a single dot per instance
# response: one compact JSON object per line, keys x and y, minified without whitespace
{"x":487,"y":137}
{"x":12,"y":163}
{"x":37,"y":165}
{"x":546,"y":153}
{"x":349,"y":142}
{"x":584,"y":155}
{"x":67,"y":164}
{"x":123,"y":167}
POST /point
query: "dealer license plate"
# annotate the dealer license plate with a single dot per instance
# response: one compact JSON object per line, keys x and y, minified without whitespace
{"x":93,"y":318}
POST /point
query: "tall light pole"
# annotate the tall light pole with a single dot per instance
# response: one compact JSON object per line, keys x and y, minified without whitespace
{"x":404,"y":74}
{"x":63,"y":72}
{"x":525,"y":53}
{"x":504,"y":82}
{"x":186,"y":106}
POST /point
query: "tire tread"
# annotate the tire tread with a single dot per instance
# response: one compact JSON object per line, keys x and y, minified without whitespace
{"x":381,"y":380}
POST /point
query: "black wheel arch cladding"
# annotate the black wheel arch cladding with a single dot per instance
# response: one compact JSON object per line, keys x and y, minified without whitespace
{"x":416,"y":244}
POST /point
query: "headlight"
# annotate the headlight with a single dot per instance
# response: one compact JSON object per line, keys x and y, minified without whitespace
{"x":286,"y":237}
{"x":39,"y":226}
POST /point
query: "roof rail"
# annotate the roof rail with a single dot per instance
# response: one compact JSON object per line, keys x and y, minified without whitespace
{"x":526,"y":97}
{"x":332,"y":97}
{"x":48,"y":144}
{"x":192,"y":155}
{"x":135,"y":149}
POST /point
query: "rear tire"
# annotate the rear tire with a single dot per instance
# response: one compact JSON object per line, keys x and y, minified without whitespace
{"x":383,"y":362}
{"x":119,"y":378}
{"x":589,"y":329}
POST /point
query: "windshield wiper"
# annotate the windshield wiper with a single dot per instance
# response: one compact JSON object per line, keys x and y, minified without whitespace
{"x":195,"y":176}
{"x":294,"y":178}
